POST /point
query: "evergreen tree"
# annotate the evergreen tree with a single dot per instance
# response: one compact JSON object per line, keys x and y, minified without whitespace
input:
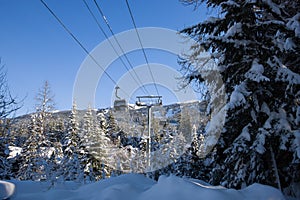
{"x":44,"y":106}
{"x":38,"y":144}
{"x":103,"y":146}
{"x":5,"y":142}
{"x":193,"y":155}
{"x":8,"y":106}
{"x":70,"y":165}
{"x":88,"y":125}
{"x":256,"y":47}
{"x":34,"y":152}
{"x":112,"y":126}
{"x":45,"y":100}
{"x":53,"y":163}
{"x":4,"y":164}
{"x":56,"y":128}
{"x":90,"y":165}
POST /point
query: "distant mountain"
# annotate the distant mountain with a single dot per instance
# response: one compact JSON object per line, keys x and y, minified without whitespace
{"x":132,"y":120}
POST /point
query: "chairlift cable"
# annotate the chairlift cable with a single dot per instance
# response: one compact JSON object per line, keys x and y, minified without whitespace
{"x":119,"y":45}
{"x":80,"y":44}
{"x":143,"y":49}
{"x":109,"y":41}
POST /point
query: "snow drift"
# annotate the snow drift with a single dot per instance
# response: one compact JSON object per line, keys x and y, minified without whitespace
{"x":6,"y":189}
{"x":138,"y":187}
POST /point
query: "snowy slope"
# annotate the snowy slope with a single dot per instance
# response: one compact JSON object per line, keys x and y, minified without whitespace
{"x":138,"y":187}
{"x":6,"y":189}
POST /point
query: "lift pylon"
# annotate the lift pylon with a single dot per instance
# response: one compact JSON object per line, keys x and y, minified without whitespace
{"x":149,"y":101}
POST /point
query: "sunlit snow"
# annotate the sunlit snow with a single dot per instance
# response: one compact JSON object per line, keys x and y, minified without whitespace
{"x":138,"y":187}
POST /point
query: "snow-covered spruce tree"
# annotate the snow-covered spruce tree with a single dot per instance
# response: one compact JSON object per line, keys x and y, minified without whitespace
{"x":92,"y":148}
{"x":193,"y":155}
{"x":8,"y":105}
{"x":44,"y":105}
{"x":112,"y":126}
{"x":191,"y":163}
{"x":5,"y":141}
{"x":36,"y":150}
{"x":55,"y":128}
{"x":103,"y":146}
{"x":45,"y":100}
{"x":33,"y":159}
{"x":70,"y":164}
{"x":256,"y":45}
{"x":4,"y":164}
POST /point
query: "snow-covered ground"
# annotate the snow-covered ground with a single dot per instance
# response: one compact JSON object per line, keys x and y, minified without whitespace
{"x":6,"y":189}
{"x":138,"y":187}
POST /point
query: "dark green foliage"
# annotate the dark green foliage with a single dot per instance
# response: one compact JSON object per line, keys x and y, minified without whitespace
{"x":256,"y":45}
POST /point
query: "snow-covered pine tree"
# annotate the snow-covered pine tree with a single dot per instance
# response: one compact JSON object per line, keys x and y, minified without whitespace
{"x":34,"y":153}
{"x":103,"y":146}
{"x":70,"y":164}
{"x":256,"y":47}
{"x":55,"y":128}
{"x":112,"y":126}
{"x":89,"y":160}
{"x":44,"y":103}
{"x":5,"y":141}
{"x":102,"y":122}
{"x":4,"y":164}
{"x":166,"y":146}
{"x":8,"y":105}
{"x":190,"y":164}
{"x":193,"y":156}
{"x":88,"y":125}
{"x":53,"y":163}
{"x":201,"y":142}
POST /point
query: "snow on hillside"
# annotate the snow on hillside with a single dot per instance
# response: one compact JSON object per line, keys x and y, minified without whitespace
{"x":138,"y":187}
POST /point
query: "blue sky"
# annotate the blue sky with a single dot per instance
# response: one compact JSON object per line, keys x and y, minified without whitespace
{"x":35,"y":48}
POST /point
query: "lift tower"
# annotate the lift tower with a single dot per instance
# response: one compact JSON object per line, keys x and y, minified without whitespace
{"x":149,"y":101}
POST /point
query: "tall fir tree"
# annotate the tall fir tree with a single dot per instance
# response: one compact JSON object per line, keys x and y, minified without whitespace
{"x":112,"y":126}
{"x":45,"y":105}
{"x":88,"y":158}
{"x":103,"y":146}
{"x":256,"y":47}
{"x":6,"y":140}
{"x":8,"y":106}
{"x":70,"y":164}
{"x":34,"y":152}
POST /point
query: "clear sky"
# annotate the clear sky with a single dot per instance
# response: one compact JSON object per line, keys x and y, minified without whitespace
{"x":35,"y":48}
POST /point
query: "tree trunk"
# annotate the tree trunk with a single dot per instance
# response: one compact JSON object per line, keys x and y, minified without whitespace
{"x":275,"y":168}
